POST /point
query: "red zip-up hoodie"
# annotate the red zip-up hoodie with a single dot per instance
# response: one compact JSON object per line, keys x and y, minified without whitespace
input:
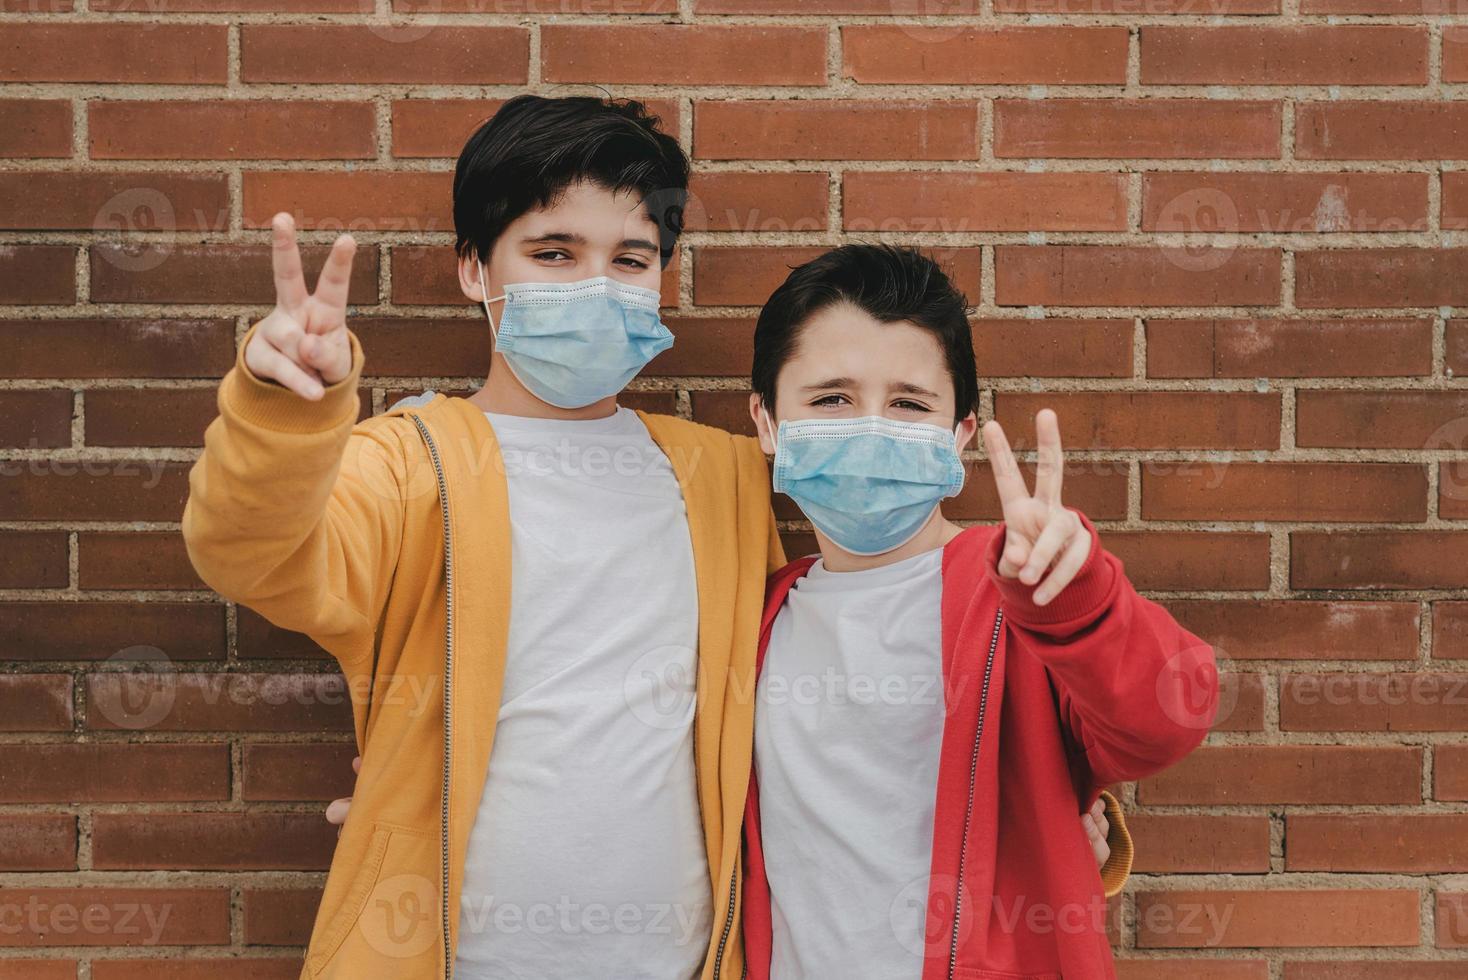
{"x":1047,"y":706}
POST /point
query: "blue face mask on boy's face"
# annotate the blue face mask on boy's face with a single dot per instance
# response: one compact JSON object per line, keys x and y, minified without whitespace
{"x":869,"y":484}
{"x":571,"y":344}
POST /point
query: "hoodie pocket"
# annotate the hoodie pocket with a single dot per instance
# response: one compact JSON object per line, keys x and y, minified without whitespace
{"x":388,"y":921}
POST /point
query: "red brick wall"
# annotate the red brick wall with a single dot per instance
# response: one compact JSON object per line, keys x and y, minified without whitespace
{"x":1219,"y":236}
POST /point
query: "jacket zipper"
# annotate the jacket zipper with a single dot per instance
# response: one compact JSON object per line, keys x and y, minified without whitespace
{"x":973,"y":769}
{"x":728,"y":923}
{"x":448,"y":685}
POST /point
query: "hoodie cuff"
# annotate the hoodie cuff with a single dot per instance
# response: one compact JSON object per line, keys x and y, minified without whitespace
{"x":1078,"y":605}
{"x":271,"y":405}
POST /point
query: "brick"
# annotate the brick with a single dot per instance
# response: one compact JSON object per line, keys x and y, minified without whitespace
{"x":1376,"y":969}
{"x":1240,"y":703}
{"x":746,"y":275}
{"x":757,"y":202}
{"x":16,"y":968}
{"x":33,"y":560}
{"x":94,"y":490}
{"x":231,"y":129}
{"x":234,"y":702}
{"x":1450,"y":772}
{"x":1189,"y":843}
{"x":1382,"y":419}
{"x":1396,"y":702}
{"x":967,"y":202}
{"x":1209,"y":969}
{"x":419,"y":203}
{"x":211,"y":841}
{"x":107,"y":201}
{"x":1192,"y":559}
{"x":539,"y":6}
{"x":116,"y":916}
{"x":1134,"y":275}
{"x":79,"y":630}
{"x":1053,"y":347}
{"x":143,"y":347}
{"x":35,"y":128}
{"x":439,"y":347}
{"x":149,"y":416}
{"x":114,"y":772}
{"x":1454,"y":210}
{"x":35,"y":703}
{"x":810,"y":129}
{"x":444,"y":54}
{"x":1293,"y":918}
{"x":37,"y":842}
{"x":1145,"y":420}
{"x":134,"y":560}
{"x":1398,"y":129}
{"x":200,"y":968}
{"x":1419,"y":843}
{"x":1381,"y":277}
{"x":1353,"y":54}
{"x":1450,"y":914}
{"x":1242,"y":491}
{"x":1283,"y":203}
{"x":1297,"y":629}
{"x":1312,"y":348}
{"x":279,"y":916}
{"x":184,"y":54}
{"x":1217,"y":775}
{"x":1457,"y":347}
{"x":682,"y":54}
{"x":1450,"y":630}
{"x":1455,"y":54}
{"x":1378,"y":560}
{"x":37,"y":275}
{"x":38,"y":419}
{"x":1181,"y":129}
{"x":258,"y":639}
{"x":706,"y":346}
{"x":290,"y":771}
{"x":1004,"y":56}
{"x":215,"y":273}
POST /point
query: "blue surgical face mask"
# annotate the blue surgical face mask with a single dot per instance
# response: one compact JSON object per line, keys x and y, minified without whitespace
{"x":574,"y":343}
{"x":869,"y":484}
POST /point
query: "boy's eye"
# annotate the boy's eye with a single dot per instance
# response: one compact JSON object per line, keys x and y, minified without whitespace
{"x":830,"y":400}
{"x":550,"y":255}
{"x":911,"y":406}
{"x":633,"y":262}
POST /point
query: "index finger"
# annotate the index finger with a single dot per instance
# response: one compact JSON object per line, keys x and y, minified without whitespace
{"x":285,"y":262}
{"x":1051,"y":468}
{"x":336,"y":278}
{"x":1007,"y":477}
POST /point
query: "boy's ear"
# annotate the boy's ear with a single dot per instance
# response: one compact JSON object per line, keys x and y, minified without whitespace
{"x":967,"y":427}
{"x":766,"y":436}
{"x":469,"y":278}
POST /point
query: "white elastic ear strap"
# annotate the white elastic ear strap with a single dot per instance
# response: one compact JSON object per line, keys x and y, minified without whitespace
{"x":769,"y":424}
{"x":484,"y":296}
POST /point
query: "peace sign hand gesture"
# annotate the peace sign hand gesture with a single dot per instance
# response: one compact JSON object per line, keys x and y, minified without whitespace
{"x":1040,"y":533}
{"x":303,"y":342}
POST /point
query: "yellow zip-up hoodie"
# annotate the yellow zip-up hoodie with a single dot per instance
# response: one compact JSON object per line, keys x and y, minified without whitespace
{"x":388,"y":542}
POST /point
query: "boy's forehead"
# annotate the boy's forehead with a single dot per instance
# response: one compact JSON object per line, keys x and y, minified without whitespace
{"x":845,"y":340}
{"x":585,"y":206}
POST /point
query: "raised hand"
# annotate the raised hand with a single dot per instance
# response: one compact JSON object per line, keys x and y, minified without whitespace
{"x":303,"y":343}
{"x":1040,"y":534}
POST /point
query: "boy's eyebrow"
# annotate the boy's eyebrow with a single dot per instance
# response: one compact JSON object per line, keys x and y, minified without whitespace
{"x":831,"y":383}
{"x":909,"y":388}
{"x":571,"y":238}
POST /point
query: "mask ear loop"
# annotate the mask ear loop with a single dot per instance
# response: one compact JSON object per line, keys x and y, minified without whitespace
{"x":769,"y":424}
{"x":484,"y":298}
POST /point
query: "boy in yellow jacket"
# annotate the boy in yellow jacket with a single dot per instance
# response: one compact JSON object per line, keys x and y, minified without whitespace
{"x":577,"y":585}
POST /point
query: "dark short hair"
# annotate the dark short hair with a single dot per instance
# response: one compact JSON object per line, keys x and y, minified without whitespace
{"x":891,"y":284}
{"x":535,"y":147}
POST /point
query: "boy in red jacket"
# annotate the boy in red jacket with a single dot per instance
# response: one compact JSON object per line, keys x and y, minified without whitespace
{"x":935,"y":704}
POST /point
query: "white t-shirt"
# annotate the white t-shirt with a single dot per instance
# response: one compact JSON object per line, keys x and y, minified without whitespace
{"x":587,"y":854}
{"x":848,"y":732}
